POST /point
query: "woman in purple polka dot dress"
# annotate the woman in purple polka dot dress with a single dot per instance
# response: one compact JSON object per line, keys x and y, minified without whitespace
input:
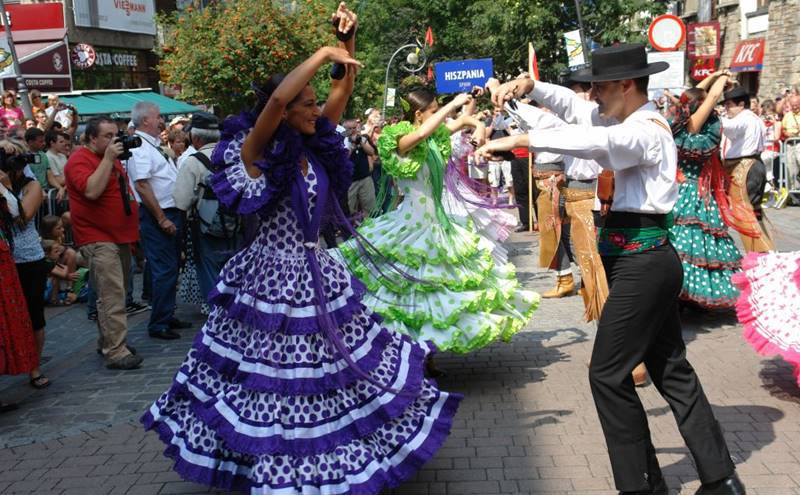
{"x":293,"y":386}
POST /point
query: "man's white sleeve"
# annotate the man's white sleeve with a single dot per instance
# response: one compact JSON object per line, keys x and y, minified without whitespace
{"x":617,"y":147}
{"x":570,"y":107}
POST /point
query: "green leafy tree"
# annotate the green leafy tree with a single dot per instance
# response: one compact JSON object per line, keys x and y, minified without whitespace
{"x":217,"y":52}
{"x":500,"y":29}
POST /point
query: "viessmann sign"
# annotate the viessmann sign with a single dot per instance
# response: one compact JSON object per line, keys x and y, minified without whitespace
{"x":135,"y":16}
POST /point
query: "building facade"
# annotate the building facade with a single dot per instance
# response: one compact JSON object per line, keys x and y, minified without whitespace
{"x":109,"y":43}
{"x":759,"y":39}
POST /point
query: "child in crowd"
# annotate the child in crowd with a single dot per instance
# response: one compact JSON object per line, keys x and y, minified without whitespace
{"x":68,"y":265}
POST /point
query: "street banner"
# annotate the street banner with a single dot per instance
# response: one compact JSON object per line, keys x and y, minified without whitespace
{"x":135,"y":16}
{"x":461,"y":75}
{"x":575,"y":56}
{"x":390,"y":96}
{"x":703,"y":40}
{"x":533,"y":63}
{"x":673,"y":77}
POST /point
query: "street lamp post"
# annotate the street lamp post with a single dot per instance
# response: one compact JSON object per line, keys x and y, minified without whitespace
{"x":22,"y":88}
{"x":414,"y":64}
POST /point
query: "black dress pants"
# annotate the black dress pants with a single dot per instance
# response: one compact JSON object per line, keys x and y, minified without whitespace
{"x":520,"y":176}
{"x":640,"y":323}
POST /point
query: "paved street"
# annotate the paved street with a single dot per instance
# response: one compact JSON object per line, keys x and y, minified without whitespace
{"x":527,"y":425}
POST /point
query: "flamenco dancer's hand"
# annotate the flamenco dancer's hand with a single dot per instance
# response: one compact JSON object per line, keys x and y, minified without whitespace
{"x":340,"y":56}
{"x":478,"y":136}
{"x":345,"y":20}
{"x":492,"y":149}
{"x":510,"y":91}
{"x":460,"y":100}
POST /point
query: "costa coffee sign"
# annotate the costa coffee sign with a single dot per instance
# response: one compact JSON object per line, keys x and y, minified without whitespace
{"x":83,"y":56}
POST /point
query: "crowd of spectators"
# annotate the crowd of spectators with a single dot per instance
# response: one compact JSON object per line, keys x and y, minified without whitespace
{"x":93,"y":211}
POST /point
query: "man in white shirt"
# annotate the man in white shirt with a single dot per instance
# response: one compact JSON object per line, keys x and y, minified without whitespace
{"x":744,"y":135}
{"x":154,"y":175}
{"x":640,"y":320}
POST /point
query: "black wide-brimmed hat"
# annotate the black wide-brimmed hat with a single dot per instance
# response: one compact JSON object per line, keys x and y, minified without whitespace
{"x":735,"y":93}
{"x":615,"y":63}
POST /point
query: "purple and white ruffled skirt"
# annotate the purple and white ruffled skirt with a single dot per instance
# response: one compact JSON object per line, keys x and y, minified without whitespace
{"x":263,"y":403}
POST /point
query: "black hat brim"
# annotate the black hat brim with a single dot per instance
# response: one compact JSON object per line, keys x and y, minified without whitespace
{"x":586,"y":75}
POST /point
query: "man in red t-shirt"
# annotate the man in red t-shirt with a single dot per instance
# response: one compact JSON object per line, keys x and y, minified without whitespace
{"x":105,"y":222}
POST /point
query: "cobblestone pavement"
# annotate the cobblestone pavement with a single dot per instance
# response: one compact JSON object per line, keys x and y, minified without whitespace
{"x":527,"y":425}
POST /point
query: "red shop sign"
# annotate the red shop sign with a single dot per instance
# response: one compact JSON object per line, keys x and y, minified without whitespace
{"x":749,"y":55}
{"x":703,"y":40}
{"x":702,"y":68}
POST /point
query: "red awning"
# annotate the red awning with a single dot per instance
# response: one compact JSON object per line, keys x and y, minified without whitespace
{"x":749,"y":55}
{"x":38,"y":35}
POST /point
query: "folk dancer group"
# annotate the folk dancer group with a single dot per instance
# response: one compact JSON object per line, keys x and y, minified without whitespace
{"x":309,"y":375}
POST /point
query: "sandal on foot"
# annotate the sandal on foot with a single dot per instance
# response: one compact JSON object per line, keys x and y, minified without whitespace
{"x":40,"y":382}
{"x":8,"y":407}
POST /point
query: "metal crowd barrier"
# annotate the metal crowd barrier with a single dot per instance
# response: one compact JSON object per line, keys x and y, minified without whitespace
{"x":784,"y":169}
{"x":50,"y":207}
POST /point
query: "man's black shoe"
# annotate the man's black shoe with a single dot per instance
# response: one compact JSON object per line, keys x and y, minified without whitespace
{"x":176,"y":324}
{"x":166,"y":334}
{"x":135,"y":308}
{"x":521,"y":228}
{"x":129,"y":362}
{"x":731,"y":485}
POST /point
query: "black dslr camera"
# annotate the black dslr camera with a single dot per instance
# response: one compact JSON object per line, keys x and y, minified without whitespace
{"x":17,"y":162}
{"x":128,"y":143}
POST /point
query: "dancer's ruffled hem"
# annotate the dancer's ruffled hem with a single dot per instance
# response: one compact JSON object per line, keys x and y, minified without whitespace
{"x":401,"y":251}
{"x":746,"y":312}
{"x":280,"y":322}
{"x":296,"y":386}
{"x":709,"y":264}
{"x":501,"y":327}
{"x":277,"y":444}
{"x":467,"y":280}
{"x":386,"y":478}
{"x":685,"y":221}
{"x":708,"y":302}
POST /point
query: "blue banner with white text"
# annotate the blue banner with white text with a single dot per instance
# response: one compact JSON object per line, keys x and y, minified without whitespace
{"x":458,"y":76}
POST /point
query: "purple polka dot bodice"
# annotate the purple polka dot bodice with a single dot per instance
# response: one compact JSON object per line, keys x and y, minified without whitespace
{"x":280,"y":230}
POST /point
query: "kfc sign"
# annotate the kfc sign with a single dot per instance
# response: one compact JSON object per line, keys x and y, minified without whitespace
{"x":749,"y":56}
{"x":702,"y":68}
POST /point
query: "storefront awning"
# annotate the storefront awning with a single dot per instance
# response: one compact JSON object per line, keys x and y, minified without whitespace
{"x":749,"y":55}
{"x":118,"y":104}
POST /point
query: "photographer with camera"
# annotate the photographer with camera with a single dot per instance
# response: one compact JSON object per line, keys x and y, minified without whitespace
{"x":105,"y":222}
{"x":361,"y":195}
{"x":28,"y":253}
{"x":154,"y":175}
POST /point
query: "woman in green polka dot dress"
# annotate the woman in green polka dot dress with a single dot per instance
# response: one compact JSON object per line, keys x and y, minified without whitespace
{"x":700,"y":235}
{"x":466,"y":298}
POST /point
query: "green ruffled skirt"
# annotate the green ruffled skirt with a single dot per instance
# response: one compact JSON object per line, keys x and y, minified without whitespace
{"x":469,"y":298}
{"x":707,"y":251}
